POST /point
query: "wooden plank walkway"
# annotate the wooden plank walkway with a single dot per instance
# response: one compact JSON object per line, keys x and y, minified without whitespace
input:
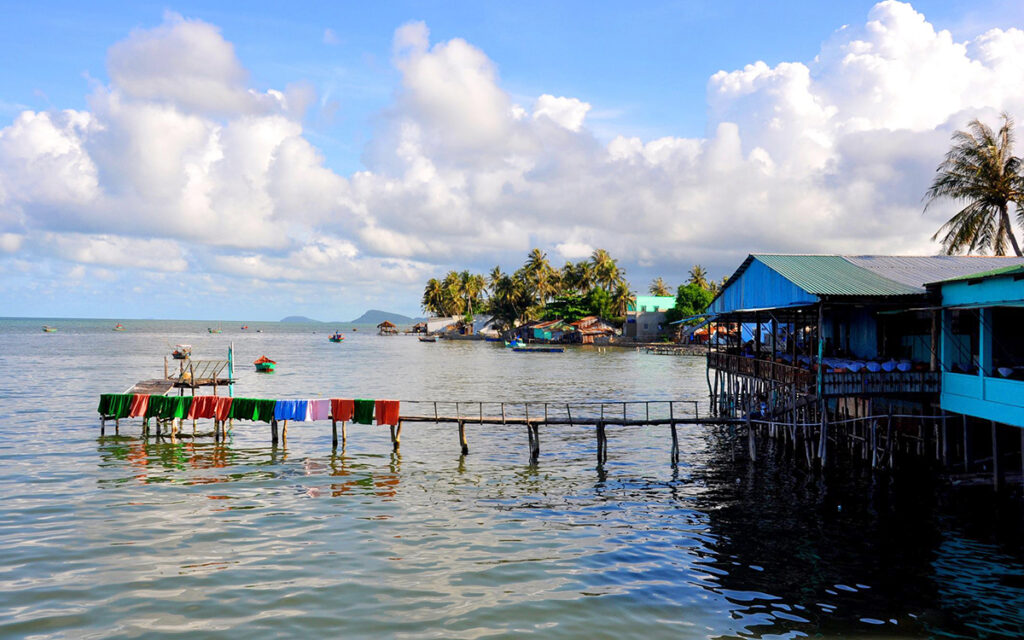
{"x":154,"y":387}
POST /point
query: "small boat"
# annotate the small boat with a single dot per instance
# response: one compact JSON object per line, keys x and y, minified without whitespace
{"x":118,"y":327}
{"x":212,"y":330}
{"x":48,"y":329}
{"x":182,"y":352}
{"x":428,"y":339}
{"x":336,"y":337}
{"x":244,"y":327}
{"x":493,"y":339}
{"x":538,"y":349}
{"x":259,"y":331}
{"x":517,"y":342}
{"x":264,"y":365}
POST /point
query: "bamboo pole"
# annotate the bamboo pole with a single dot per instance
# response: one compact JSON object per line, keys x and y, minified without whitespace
{"x":462,"y":438}
{"x":334,"y":433}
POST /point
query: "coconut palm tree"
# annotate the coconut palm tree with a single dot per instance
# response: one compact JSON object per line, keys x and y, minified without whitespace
{"x":433,"y":297}
{"x":492,"y":279}
{"x":659,"y":288}
{"x":698,"y":276}
{"x":622,"y":297}
{"x":980,"y":171}
{"x":606,"y":271}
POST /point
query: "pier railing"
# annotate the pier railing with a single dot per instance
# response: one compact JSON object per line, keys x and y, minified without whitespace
{"x":834,"y":383}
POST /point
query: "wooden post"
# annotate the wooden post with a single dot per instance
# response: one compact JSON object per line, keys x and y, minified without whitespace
{"x":967,"y":449}
{"x":462,"y":438}
{"x":874,"y":445}
{"x":675,"y":443}
{"x":535,"y":454}
{"x":995,"y":457}
{"x":751,"y":444}
{"x":334,"y":433}
{"x":273,"y":431}
{"x":600,"y":442}
{"x":344,"y":433}
{"x":397,"y":430}
{"x":103,"y":425}
{"x":823,"y":447}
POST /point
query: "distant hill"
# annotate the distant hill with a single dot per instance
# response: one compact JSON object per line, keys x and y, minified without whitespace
{"x":298,"y":319}
{"x":376,"y":316}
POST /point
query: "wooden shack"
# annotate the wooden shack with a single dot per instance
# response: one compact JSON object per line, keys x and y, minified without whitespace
{"x":387,"y":329}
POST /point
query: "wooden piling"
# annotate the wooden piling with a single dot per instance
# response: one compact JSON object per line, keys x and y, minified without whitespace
{"x":462,"y":438}
{"x":995,"y":457}
{"x":535,"y":454}
{"x":273,"y":431}
{"x":396,"y":436}
{"x":751,"y":445}
{"x":334,"y":433}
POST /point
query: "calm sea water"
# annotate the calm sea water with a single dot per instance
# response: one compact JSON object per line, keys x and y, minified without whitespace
{"x":119,"y":537}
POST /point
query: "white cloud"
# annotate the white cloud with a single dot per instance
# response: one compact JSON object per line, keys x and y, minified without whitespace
{"x":330,"y":37}
{"x":566,"y":112}
{"x":179,"y":164}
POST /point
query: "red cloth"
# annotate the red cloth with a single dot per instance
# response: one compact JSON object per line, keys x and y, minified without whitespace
{"x":201,"y":407}
{"x":209,"y":407}
{"x":342,"y":410}
{"x":138,"y":406}
{"x":221,"y":407}
{"x":386,"y":412}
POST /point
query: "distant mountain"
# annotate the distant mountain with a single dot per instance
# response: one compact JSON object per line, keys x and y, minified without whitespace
{"x":376,"y":316}
{"x":298,"y":319}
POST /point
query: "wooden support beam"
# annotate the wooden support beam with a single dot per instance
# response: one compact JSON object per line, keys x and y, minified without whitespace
{"x":273,"y":431}
{"x":463,"y":444}
{"x":996,"y":480}
{"x":334,"y":433}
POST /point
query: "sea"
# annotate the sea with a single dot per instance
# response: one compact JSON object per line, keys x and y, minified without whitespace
{"x":118,"y":536}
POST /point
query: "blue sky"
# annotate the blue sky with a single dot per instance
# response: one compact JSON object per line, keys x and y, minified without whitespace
{"x":626,"y":85}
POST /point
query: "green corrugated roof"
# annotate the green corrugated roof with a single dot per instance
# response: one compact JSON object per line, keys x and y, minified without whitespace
{"x":1002,"y":271}
{"x":831,"y":275}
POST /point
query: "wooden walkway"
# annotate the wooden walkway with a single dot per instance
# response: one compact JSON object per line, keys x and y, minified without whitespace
{"x":154,"y":387}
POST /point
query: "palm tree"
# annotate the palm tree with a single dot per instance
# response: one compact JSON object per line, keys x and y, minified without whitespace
{"x":981,"y":171}
{"x":698,"y":276}
{"x":606,"y":271}
{"x":659,"y":288}
{"x":622,"y":297}
{"x":492,"y":279}
{"x":433,"y":297}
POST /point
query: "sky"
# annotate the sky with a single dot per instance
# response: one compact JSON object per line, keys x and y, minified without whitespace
{"x":189,"y":160}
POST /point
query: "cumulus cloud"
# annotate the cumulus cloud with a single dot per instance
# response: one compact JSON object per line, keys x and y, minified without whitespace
{"x":180,"y":164}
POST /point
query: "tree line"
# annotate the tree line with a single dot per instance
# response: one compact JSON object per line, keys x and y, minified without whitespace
{"x":537,"y":290}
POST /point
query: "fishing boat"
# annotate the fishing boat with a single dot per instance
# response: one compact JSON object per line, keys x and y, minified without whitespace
{"x":517,"y":342}
{"x":244,"y":327}
{"x":182,"y":352}
{"x":48,"y":329}
{"x":264,"y":365}
{"x":336,"y":337}
{"x":118,"y":327}
{"x":428,"y":339}
{"x":212,"y":330}
{"x":538,"y":349}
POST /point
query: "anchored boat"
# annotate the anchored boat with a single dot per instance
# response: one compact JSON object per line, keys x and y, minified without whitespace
{"x":118,"y":327}
{"x":48,"y":329}
{"x":182,"y":352}
{"x":336,"y":337}
{"x":538,"y":349}
{"x":264,"y":365}
{"x":428,"y":339}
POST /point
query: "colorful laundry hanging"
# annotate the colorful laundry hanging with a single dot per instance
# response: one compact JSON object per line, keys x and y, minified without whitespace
{"x":290,"y":410}
{"x":139,"y":405}
{"x":318,"y":409}
{"x":168,"y":406}
{"x":387,"y":412}
{"x":343,"y":410}
{"x":114,"y":405}
{"x":222,"y":407}
{"x":363,"y":412}
{"x":202,"y":407}
{"x":253,"y":409}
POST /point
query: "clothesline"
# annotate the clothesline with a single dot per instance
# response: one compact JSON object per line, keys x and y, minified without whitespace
{"x":358,"y":410}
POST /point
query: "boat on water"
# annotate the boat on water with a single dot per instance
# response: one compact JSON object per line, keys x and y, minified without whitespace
{"x":538,"y":349}
{"x":264,"y":365}
{"x":336,"y":337}
{"x":493,"y":340}
{"x":428,"y":339}
{"x":118,"y":327}
{"x":212,"y":330}
{"x":244,"y":327}
{"x":48,"y":329}
{"x":182,"y":352}
{"x":259,"y":331}
{"x":517,"y":342}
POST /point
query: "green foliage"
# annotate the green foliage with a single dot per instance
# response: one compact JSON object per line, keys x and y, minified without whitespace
{"x":981,"y":172}
{"x":691,"y":299}
{"x":569,"y":308}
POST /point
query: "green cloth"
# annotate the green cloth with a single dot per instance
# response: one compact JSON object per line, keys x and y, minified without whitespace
{"x":114,"y":405}
{"x":168,"y":406}
{"x":252,"y":409}
{"x":363,"y":412}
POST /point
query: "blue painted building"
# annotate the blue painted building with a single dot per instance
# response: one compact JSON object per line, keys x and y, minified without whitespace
{"x":982,"y":345}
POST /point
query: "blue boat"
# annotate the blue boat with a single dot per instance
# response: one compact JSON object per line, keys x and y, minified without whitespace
{"x":538,"y":349}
